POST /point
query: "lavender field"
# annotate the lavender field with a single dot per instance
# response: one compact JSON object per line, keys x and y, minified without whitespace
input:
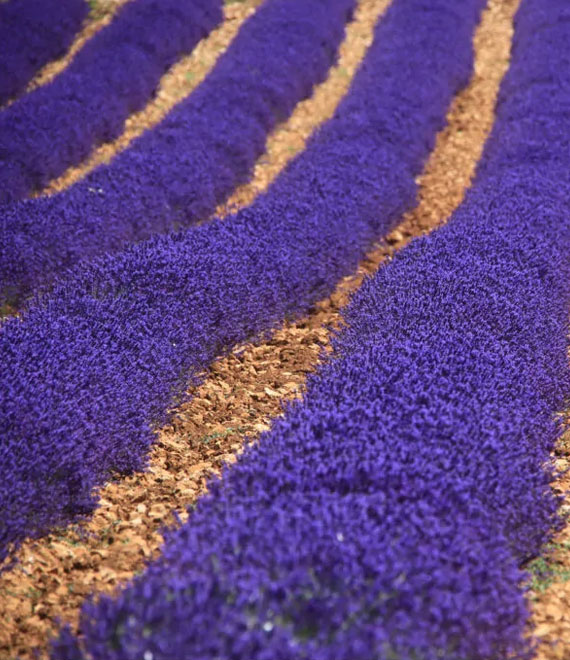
{"x":286,"y":375}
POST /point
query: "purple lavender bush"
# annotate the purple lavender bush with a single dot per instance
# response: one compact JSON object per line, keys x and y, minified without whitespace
{"x":177,"y":173}
{"x":94,"y":365}
{"x":387,"y":514}
{"x":113,"y":75}
{"x":33,"y":32}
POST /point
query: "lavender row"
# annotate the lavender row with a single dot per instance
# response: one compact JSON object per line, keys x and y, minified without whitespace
{"x":95,"y":364}
{"x":292,"y":42}
{"x":534,"y":101}
{"x":113,"y":75}
{"x":33,"y":32}
{"x":178,"y":172}
{"x":387,"y":514}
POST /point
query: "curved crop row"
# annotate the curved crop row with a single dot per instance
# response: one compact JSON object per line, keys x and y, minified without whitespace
{"x":93,"y":365}
{"x":178,"y":172}
{"x":385,"y":516}
{"x":33,"y":32}
{"x":113,"y":75}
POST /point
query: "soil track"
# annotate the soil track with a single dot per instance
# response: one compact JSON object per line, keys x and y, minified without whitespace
{"x":247,"y":388}
{"x":550,"y":583}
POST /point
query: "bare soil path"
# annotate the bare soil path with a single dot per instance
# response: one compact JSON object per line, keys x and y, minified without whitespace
{"x":549,"y":596}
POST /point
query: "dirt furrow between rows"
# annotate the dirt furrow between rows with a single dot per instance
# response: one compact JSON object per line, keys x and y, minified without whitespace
{"x":549,"y":595}
{"x":244,"y":390}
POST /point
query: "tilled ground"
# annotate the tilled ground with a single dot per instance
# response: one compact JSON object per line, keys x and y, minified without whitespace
{"x":549,"y":595}
{"x":246,"y":389}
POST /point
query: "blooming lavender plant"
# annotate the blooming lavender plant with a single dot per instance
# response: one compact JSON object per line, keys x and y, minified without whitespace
{"x":113,"y":75}
{"x":94,"y":365}
{"x":177,"y":172}
{"x":33,"y":32}
{"x":387,"y":514}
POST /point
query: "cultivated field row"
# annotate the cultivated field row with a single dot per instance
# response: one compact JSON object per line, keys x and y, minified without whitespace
{"x":390,"y":510}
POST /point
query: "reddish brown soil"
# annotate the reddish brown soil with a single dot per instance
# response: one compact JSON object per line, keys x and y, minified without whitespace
{"x":550,"y":587}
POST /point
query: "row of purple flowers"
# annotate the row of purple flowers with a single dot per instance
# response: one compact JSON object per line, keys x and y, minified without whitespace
{"x":387,"y":514}
{"x":78,"y":398}
{"x":33,"y":32}
{"x":176,"y":173}
{"x":113,"y":75}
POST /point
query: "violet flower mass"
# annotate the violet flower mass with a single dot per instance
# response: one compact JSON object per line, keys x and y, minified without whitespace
{"x":114,"y":74}
{"x":387,"y":514}
{"x":94,"y":366}
{"x":177,"y":172}
{"x":33,"y":32}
